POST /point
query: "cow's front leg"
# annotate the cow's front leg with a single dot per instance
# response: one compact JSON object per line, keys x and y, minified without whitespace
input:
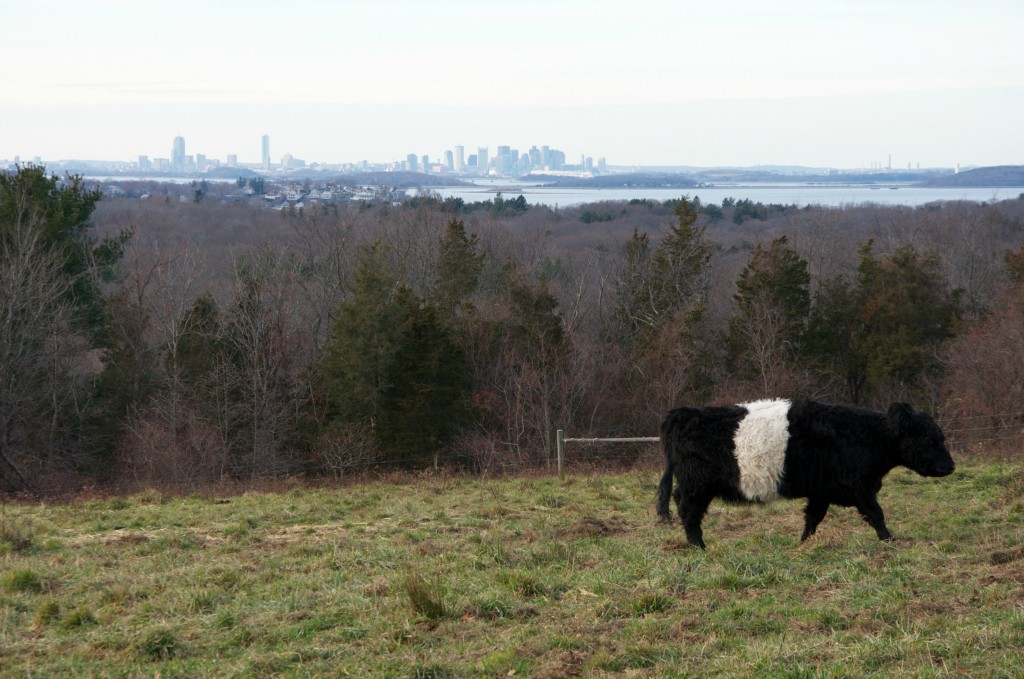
{"x":872,"y":513}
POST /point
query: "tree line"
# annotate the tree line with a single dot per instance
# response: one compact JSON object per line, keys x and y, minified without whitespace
{"x":193,"y":343}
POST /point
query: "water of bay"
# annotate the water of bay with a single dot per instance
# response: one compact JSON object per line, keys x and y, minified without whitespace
{"x":783,"y":193}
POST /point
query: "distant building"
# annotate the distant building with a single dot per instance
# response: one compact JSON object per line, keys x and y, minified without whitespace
{"x":232,"y":160}
{"x":266,"y":152}
{"x":289,"y":162}
{"x":534,"y":157}
{"x":481,"y":159}
{"x":412,"y":162}
{"x":178,"y":155}
{"x":449,"y":160}
{"x":201,"y":162}
{"x":460,"y":158}
{"x":144,"y":164}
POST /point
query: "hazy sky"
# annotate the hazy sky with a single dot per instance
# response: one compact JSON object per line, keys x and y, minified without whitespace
{"x":650,"y":82}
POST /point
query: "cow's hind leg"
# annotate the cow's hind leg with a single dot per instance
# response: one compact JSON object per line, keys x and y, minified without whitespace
{"x":692,"y":508}
{"x":814,"y":512}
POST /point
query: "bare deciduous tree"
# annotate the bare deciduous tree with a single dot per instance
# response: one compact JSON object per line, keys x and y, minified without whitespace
{"x":37,"y":348}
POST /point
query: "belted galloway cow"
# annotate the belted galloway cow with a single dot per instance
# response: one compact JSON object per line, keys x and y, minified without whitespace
{"x":761,"y":451}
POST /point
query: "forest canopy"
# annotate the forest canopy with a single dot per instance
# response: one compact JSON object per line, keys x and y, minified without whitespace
{"x":183,"y":343}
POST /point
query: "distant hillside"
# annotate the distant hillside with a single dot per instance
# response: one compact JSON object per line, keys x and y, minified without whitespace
{"x":611,"y":181}
{"x":1002,"y":175}
{"x":400,"y":179}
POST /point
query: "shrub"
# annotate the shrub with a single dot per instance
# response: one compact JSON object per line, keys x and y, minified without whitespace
{"x":80,"y":617}
{"x":47,"y":611}
{"x":21,"y":580}
{"x":158,"y":644}
{"x":427,"y":599}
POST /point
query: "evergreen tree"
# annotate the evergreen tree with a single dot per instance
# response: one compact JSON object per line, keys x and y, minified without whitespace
{"x":884,"y":330}
{"x":836,"y":334}
{"x":458,"y":268}
{"x":654,"y":287}
{"x":58,"y":210}
{"x":907,"y":312}
{"x":391,"y":365}
{"x":773,"y":303}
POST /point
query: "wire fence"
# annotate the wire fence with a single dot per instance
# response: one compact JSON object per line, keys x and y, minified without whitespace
{"x":970,"y":434}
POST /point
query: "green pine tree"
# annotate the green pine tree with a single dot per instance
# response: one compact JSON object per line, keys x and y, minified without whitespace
{"x":459,"y":263}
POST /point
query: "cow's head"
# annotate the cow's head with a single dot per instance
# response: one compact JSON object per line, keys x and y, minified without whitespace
{"x":922,"y":447}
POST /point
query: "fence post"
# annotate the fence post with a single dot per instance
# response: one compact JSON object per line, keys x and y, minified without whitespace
{"x":560,"y":444}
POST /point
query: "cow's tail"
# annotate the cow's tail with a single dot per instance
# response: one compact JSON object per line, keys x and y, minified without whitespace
{"x":664,"y":493}
{"x":665,"y":487}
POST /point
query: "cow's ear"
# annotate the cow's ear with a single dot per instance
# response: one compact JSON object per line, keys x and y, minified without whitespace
{"x":899,"y":417}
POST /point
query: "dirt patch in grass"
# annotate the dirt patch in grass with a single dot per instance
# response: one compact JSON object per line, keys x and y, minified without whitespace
{"x":676,"y":545}
{"x":303,"y":533}
{"x":1006,"y":557}
{"x":119,"y":536}
{"x":561,"y":663}
{"x":1006,"y":574}
{"x":591,"y":527}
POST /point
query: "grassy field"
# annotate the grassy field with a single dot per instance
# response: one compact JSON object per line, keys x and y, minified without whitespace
{"x":522,"y":577}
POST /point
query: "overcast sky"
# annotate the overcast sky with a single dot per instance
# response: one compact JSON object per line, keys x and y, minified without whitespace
{"x":647,"y":82}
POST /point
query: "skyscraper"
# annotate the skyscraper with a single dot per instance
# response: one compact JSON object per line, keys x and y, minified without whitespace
{"x":178,"y":154}
{"x":481,"y":159}
{"x":460,"y":158}
{"x":265,"y":158}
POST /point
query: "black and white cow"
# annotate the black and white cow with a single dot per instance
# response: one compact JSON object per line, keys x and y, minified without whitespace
{"x":761,"y":451}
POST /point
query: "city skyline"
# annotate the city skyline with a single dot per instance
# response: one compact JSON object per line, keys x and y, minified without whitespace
{"x":738,"y":83}
{"x":506,"y":161}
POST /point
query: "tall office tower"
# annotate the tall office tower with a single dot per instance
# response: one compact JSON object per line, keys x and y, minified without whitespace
{"x":602,"y":165}
{"x":545,"y":156}
{"x":144,"y":163}
{"x":449,"y":160}
{"x":460,"y":158}
{"x":201,"y":162}
{"x":265,"y":158}
{"x":412,"y":162}
{"x":232,"y":160}
{"x":425,"y":164}
{"x":534,"y":157}
{"x":178,"y":154}
{"x":503,"y":161}
{"x":481,"y":159}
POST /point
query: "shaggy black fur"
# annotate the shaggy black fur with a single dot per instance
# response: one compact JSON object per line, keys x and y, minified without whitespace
{"x":835,"y":455}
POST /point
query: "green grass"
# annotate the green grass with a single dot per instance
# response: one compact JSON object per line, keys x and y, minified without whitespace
{"x":456,"y":578}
